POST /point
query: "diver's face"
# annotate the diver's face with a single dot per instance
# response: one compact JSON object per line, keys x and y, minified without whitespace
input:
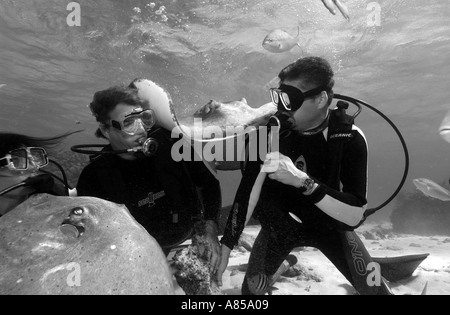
{"x":120,"y":140}
{"x":313,"y":110}
{"x":15,"y":197}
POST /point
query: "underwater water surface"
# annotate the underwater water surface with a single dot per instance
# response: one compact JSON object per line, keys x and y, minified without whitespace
{"x":211,"y":49}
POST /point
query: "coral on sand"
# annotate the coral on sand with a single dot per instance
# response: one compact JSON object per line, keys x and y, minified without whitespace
{"x":193,"y":265}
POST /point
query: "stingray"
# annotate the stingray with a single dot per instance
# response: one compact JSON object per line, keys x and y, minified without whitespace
{"x":78,"y":246}
{"x":213,"y":126}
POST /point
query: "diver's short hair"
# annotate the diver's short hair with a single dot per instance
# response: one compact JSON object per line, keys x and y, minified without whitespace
{"x":106,"y":101}
{"x":312,"y":71}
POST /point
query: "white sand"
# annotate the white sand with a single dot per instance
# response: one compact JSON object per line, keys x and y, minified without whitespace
{"x":435,"y":270}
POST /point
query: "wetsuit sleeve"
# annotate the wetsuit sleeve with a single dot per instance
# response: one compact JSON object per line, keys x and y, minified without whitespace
{"x":238,"y":214}
{"x":208,"y":187}
{"x":46,"y":184}
{"x":347,"y":206}
{"x":89,"y":184}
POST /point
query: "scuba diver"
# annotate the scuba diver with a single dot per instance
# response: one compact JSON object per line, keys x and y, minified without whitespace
{"x":21,"y":161}
{"x":334,"y":5}
{"x":317,"y":193}
{"x":136,"y":169}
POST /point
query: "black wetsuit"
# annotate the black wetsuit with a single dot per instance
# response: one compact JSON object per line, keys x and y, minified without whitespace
{"x":344,"y":189}
{"x":44,"y":183}
{"x":163,"y":196}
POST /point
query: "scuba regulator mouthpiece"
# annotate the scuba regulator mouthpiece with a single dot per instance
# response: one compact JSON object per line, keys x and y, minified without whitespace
{"x":146,"y":148}
{"x":150,"y":147}
{"x":284,"y":121}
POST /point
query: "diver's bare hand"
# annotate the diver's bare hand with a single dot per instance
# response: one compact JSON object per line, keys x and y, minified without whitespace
{"x":225,"y":257}
{"x":212,"y":237}
{"x":332,"y":4}
{"x":282,"y":169}
{"x":207,"y":110}
{"x":173,"y":269}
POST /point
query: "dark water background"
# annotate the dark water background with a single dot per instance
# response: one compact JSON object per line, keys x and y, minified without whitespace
{"x":211,"y":49}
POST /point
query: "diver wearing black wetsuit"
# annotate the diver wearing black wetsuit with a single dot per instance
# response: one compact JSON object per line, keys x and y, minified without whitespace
{"x":162,"y":195}
{"x":281,"y":233}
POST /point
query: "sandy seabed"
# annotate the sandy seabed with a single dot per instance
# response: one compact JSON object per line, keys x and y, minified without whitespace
{"x":322,"y":278}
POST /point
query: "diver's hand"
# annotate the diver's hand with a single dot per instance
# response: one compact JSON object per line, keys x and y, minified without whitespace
{"x":223,"y":264}
{"x":282,"y":169}
{"x":173,"y":269}
{"x":212,"y":237}
{"x":207,"y":109}
{"x":332,"y":4}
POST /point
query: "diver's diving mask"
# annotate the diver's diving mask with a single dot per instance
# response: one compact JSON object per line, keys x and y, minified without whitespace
{"x":24,"y":158}
{"x":138,"y":118}
{"x":289,"y":98}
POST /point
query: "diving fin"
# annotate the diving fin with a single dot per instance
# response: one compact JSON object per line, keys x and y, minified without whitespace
{"x":425,"y":289}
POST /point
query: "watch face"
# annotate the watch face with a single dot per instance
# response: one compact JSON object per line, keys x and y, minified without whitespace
{"x":308,"y":183}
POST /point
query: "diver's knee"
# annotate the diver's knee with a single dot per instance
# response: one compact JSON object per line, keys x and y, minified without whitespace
{"x":256,"y":284}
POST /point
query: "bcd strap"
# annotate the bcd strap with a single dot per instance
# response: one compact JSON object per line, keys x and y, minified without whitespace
{"x":174,"y":176}
{"x":340,"y":131}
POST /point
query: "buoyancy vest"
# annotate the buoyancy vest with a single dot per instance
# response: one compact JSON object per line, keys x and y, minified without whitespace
{"x":185,"y":204}
{"x":340,"y":132}
{"x":339,"y":126}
